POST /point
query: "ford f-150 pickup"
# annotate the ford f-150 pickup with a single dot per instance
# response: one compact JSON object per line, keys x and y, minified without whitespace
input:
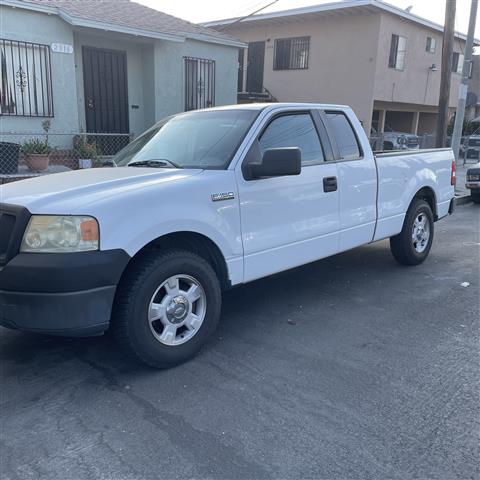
{"x":200,"y":202}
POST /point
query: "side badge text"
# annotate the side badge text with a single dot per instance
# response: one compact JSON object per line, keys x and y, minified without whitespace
{"x":218,"y":197}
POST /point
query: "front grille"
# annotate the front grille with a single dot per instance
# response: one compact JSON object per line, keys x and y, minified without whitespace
{"x":13,"y":221}
{"x":474,"y":142}
{"x":7,"y":222}
{"x":473,"y":154}
{"x":412,"y":141}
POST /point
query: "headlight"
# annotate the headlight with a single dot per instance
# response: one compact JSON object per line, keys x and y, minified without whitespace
{"x":56,"y":234}
{"x":401,"y":140}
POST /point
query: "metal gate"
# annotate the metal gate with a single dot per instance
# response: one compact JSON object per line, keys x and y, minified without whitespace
{"x":199,"y":83}
{"x":255,"y":59}
{"x":106,"y":98}
{"x":106,"y":92}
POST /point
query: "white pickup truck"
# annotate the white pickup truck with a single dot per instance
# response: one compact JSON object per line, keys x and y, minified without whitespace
{"x":201,"y":202}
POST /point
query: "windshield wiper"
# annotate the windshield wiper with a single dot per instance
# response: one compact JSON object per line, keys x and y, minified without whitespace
{"x":155,"y":163}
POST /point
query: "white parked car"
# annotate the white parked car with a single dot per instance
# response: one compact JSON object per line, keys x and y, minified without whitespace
{"x":389,"y":139}
{"x":200,"y":202}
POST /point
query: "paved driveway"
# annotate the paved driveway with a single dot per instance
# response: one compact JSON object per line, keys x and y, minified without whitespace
{"x":352,"y":367}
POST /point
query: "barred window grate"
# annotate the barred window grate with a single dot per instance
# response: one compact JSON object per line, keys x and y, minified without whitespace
{"x":291,"y":53}
{"x":25,"y":79}
{"x":199,"y":83}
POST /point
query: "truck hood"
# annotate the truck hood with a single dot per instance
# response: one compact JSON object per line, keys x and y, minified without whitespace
{"x":70,"y":191}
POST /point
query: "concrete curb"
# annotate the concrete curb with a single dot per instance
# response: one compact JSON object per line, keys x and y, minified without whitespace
{"x":463,"y":199}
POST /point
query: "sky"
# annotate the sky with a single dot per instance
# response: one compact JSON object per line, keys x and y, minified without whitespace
{"x":204,"y":10}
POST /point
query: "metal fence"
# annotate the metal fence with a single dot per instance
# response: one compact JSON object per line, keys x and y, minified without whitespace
{"x":26,"y":155}
{"x":384,"y":142}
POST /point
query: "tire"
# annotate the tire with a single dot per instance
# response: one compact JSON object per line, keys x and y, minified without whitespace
{"x":183,"y":324}
{"x":410,"y":250}
{"x":475,"y":197}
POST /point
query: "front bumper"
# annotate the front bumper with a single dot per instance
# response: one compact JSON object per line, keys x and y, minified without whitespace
{"x":62,"y":294}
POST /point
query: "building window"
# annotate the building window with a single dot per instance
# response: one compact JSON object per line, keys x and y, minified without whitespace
{"x":291,"y":53}
{"x":199,"y":83}
{"x":431,"y":44}
{"x":25,"y":80}
{"x":398,"y":48}
{"x":457,"y":62}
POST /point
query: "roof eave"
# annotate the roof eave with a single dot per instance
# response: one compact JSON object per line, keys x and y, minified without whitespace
{"x":382,"y":6}
{"x":81,"y":22}
{"x":220,"y":41}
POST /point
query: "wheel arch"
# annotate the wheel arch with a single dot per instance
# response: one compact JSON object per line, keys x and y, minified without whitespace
{"x":193,"y":242}
{"x":428,"y":195}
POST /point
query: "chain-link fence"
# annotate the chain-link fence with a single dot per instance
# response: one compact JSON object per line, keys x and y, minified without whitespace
{"x":389,"y":141}
{"x":25,"y":155}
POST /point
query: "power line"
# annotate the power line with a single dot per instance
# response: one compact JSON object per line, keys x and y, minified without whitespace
{"x":247,"y":16}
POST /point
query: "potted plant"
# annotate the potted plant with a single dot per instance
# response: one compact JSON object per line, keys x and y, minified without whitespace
{"x":37,"y":151}
{"x":85,"y":152}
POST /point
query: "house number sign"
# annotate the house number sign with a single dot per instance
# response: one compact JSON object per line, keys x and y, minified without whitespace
{"x":61,"y":48}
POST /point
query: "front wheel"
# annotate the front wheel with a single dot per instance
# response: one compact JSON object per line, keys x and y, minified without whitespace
{"x":166,"y":306}
{"x":475,"y":197}
{"x":412,"y":245}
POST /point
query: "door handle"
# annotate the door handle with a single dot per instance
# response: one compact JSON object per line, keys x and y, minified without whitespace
{"x":329,"y":184}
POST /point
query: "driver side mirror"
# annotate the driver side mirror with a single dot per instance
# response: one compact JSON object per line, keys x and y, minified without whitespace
{"x":277,"y":162}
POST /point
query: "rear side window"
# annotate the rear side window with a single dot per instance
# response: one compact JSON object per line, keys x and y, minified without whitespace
{"x":344,"y":136}
{"x":294,"y":131}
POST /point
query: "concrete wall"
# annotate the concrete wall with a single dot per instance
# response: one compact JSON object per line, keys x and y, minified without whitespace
{"x":170,"y":77}
{"x":25,"y":25}
{"x":415,"y":84}
{"x":427,"y":123}
{"x":341,"y":65}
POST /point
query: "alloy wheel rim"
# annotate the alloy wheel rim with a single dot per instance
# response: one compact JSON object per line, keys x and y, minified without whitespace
{"x":177,"y":310}
{"x":420,"y":232}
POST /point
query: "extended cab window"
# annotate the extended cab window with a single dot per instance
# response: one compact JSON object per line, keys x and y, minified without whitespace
{"x":345,"y":137}
{"x":294,"y":131}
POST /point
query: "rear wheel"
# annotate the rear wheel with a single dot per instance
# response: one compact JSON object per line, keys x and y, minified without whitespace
{"x":166,"y":307}
{"x":412,"y":245}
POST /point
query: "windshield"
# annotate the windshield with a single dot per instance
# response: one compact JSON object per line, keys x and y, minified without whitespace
{"x":202,"y":139}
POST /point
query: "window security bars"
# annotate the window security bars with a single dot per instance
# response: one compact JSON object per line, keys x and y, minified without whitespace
{"x":291,"y":53}
{"x":25,"y":80}
{"x":199,"y":83}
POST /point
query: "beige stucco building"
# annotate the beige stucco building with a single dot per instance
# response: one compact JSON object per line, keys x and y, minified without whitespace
{"x":381,"y":60}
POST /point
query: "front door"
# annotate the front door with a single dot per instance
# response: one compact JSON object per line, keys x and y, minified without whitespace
{"x":255,"y":59}
{"x":105,"y":87}
{"x":292,"y":220}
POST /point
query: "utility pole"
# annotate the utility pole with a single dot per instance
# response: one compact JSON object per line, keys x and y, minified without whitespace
{"x":462,"y":91}
{"x":447,"y":53}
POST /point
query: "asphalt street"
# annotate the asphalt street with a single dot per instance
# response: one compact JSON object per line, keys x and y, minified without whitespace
{"x":349,"y":368}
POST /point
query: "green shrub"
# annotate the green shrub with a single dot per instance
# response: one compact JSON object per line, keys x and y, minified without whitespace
{"x":35,"y":146}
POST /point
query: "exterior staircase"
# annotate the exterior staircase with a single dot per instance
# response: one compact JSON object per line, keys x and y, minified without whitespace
{"x":256,"y":97}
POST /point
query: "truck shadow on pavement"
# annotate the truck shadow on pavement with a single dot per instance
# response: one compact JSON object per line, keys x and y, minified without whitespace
{"x":256,"y":312}
{"x":264,"y":307}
